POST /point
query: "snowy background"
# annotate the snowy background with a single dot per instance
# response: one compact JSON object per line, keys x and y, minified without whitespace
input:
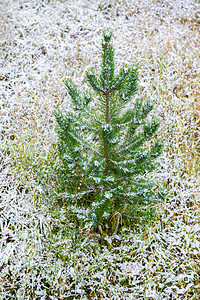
{"x":41,"y":44}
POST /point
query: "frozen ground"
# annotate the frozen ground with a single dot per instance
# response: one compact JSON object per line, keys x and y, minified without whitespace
{"x":44,"y":42}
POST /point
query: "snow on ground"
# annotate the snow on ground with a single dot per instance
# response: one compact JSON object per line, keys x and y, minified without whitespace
{"x":42,"y":44}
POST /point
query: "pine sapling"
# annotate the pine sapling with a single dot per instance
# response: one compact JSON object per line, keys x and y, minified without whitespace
{"x":103,"y":160}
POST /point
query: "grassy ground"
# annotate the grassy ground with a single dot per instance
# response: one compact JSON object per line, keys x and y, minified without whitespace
{"x":41,"y":255}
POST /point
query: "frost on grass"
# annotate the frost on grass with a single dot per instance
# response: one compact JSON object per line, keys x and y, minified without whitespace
{"x":41,"y":254}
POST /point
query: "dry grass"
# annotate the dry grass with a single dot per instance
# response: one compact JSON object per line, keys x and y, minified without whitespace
{"x":42,"y":43}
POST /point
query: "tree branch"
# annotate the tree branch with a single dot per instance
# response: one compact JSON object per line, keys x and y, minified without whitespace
{"x":97,"y":88}
{"x":118,"y":83}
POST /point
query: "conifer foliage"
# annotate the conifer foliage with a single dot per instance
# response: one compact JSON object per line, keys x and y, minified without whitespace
{"x":103,"y":159}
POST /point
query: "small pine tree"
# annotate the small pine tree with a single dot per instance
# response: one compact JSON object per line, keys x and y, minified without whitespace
{"x":101,"y":146}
